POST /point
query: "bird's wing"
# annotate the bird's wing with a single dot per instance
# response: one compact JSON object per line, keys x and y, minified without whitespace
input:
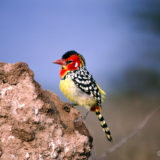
{"x":84,"y":80}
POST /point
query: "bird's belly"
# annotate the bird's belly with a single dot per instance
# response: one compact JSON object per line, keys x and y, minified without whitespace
{"x":75,"y":95}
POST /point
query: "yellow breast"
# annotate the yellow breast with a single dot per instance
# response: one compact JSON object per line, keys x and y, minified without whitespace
{"x":75,"y":95}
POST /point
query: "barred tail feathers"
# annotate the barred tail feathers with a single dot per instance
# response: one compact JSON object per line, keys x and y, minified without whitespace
{"x":103,"y":124}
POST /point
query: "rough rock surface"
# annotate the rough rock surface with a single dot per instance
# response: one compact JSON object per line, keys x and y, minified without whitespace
{"x":35,"y":124}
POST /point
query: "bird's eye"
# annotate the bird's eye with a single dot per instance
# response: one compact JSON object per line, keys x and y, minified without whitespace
{"x":68,"y":62}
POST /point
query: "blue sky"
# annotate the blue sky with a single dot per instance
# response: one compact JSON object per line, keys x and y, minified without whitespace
{"x":106,"y":33}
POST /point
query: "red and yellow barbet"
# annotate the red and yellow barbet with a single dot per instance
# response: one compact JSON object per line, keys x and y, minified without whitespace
{"x":78,"y":85}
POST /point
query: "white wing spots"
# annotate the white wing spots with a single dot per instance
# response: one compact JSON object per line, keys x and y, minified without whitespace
{"x":85,"y":78}
{"x":82,"y":73}
{"x":88,"y":82}
{"x":90,"y":87}
{"x":78,"y":81}
{"x":86,"y":88}
{"x":84,"y":81}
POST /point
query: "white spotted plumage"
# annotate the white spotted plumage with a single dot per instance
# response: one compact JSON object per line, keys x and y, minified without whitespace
{"x":84,"y":81}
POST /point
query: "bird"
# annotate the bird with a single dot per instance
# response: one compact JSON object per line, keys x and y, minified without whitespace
{"x":79,"y":86}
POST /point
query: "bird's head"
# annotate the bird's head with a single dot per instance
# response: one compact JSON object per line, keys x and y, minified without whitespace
{"x":70,"y":61}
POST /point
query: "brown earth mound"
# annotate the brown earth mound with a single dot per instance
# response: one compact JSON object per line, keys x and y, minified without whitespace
{"x":35,"y":124}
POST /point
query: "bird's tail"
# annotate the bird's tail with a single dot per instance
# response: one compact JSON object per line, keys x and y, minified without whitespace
{"x":103,"y":123}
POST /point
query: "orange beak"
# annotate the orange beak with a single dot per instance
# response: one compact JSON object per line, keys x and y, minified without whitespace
{"x":60,"y":62}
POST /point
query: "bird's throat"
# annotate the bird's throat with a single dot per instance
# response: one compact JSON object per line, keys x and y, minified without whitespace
{"x":63,"y":72}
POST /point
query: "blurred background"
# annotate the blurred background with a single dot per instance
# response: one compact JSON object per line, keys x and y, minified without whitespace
{"x":120,"y":40}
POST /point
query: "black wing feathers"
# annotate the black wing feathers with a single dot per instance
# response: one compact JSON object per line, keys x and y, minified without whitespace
{"x":84,"y":80}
